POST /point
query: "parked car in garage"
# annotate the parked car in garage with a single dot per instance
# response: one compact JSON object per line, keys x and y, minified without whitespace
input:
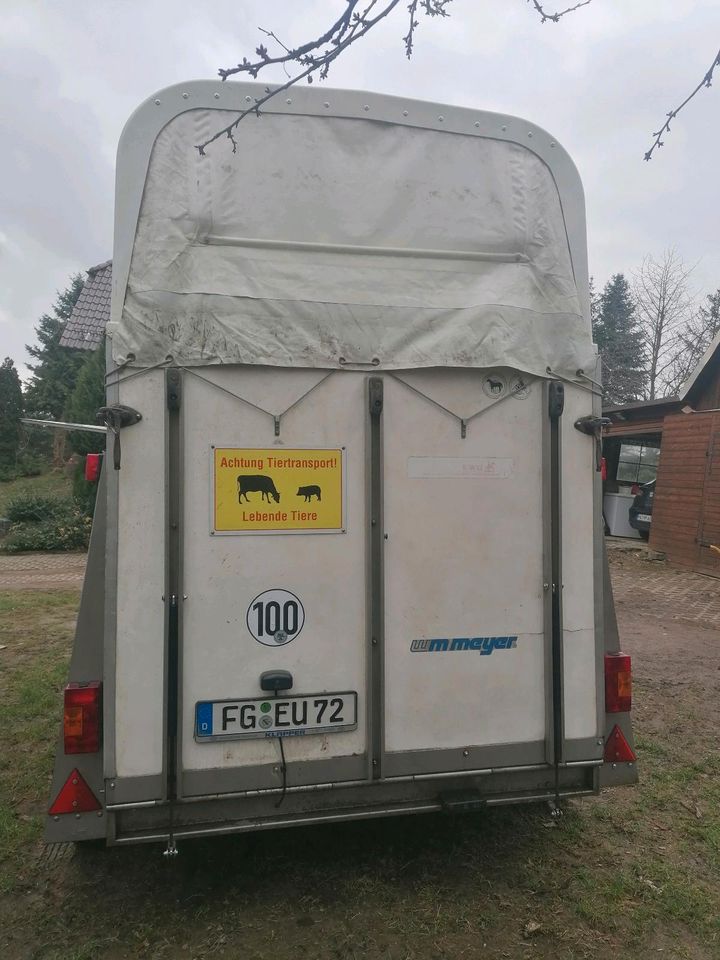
{"x":640,"y":517}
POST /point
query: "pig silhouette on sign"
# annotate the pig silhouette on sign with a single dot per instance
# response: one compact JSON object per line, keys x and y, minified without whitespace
{"x":309,"y":493}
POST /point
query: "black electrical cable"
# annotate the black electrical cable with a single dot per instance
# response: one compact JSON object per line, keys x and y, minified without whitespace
{"x":283,"y":768}
{"x":284,"y":772}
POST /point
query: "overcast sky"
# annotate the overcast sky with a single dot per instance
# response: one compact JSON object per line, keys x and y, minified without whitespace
{"x":601,"y":80}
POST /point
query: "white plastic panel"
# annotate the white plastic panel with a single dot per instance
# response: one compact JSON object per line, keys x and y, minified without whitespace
{"x":579,"y":651}
{"x":139,"y":662}
{"x":223,"y":575}
{"x":463,"y":560}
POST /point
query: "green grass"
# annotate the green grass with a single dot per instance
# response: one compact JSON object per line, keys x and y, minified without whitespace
{"x":35,"y":629}
{"x":53,"y":483}
{"x":633,"y":873}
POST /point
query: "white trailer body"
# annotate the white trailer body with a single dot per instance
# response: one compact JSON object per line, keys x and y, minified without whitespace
{"x":351,"y":563}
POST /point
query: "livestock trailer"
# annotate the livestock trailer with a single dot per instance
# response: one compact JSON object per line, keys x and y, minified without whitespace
{"x":347,"y":558}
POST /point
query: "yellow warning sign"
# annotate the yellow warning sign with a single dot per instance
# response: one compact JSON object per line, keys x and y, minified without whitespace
{"x":259,"y":491}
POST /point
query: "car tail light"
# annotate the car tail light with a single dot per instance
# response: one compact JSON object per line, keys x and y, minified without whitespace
{"x":92,"y":467}
{"x":617,"y":749}
{"x":635,"y":489}
{"x":75,"y":797}
{"x":81,"y":717}
{"x":618,"y":683}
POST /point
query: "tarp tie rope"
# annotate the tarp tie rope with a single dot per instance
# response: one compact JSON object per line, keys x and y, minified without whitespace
{"x":463,"y":421}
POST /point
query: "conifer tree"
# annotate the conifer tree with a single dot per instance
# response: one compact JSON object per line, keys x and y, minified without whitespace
{"x":620,"y":342}
{"x":56,"y":369}
{"x":11,"y":408}
{"x":87,"y":397}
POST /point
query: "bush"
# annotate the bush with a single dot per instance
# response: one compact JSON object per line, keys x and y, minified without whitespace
{"x":69,"y":532}
{"x":30,"y":465}
{"x":31,"y":507}
{"x":84,"y":493}
{"x":42,"y":522}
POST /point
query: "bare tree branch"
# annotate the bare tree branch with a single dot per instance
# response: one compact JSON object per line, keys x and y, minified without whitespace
{"x":554,"y":17}
{"x":665,"y":128}
{"x":317,"y":56}
{"x":663,"y":304}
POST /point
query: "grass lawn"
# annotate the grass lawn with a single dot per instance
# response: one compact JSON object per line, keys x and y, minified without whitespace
{"x":632,"y":874}
{"x":54,"y":483}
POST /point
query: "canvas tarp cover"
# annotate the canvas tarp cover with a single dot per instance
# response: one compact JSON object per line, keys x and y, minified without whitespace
{"x":215,"y":276}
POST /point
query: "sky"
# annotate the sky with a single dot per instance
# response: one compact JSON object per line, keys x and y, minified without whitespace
{"x":601,"y":81}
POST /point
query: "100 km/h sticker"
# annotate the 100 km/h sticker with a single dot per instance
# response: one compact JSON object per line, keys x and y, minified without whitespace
{"x":275,"y":617}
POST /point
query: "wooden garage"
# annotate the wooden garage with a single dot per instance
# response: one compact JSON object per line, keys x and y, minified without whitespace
{"x":676,"y":440}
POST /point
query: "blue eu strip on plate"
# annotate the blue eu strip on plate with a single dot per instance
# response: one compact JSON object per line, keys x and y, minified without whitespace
{"x":204,"y":719}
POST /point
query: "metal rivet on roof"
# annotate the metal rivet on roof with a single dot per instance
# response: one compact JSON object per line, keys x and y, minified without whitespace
{"x":405,"y":113}
{"x":552,"y":143}
{"x":366,"y":107}
{"x":477,"y":123}
{"x":440,"y":119}
{"x":327,"y":103}
{"x":503,"y":129}
{"x":248,"y":99}
{"x":217,"y":96}
{"x":288,"y":101}
{"x":185,"y":96}
{"x":529,"y":134}
{"x":157,"y":103}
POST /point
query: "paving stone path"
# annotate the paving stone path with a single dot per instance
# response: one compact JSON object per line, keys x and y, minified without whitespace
{"x":42,"y":571}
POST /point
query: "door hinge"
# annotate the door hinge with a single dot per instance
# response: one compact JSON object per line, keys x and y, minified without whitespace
{"x":376,"y":396}
{"x":556,"y":399}
{"x":173,"y":384}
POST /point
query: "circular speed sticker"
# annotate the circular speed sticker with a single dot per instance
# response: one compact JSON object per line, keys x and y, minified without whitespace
{"x":520,"y":387}
{"x":275,"y":617}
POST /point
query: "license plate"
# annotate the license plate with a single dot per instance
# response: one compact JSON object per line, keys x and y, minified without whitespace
{"x":644,"y":517}
{"x":275,"y":716}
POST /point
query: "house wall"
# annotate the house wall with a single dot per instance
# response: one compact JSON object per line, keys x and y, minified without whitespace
{"x":686,"y":509}
{"x":636,"y":427}
{"x":708,"y":393}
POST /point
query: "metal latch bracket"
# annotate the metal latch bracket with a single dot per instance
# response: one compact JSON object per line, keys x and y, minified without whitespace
{"x":115,"y":418}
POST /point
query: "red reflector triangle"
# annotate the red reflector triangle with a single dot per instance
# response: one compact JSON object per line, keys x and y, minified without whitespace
{"x":75,"y":796}
{"x":617,"y":749}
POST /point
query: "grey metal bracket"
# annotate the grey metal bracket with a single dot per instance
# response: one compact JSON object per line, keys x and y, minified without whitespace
{"x":593,"y":427}
{"x":116,"y":417}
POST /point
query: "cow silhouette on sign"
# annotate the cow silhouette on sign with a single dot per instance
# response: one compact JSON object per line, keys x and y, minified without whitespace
{"x":256,"y":483}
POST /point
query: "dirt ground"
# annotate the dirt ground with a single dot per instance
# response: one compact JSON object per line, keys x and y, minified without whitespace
{"x":669,"y":620}
{"x":633,"y":873}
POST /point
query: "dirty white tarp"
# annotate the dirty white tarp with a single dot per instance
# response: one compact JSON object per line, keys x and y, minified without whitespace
{"x":215,"y":278}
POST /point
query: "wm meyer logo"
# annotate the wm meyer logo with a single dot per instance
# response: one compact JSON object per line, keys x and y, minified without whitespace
{"x":482,"y":645}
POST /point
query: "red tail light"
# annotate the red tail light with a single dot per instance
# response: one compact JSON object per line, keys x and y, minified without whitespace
{"x":618,"y":683}
{"x":81,"y":717}
{"x":617,"y":749}
{"x":75,"y":797}
{"x":92,"y":467}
